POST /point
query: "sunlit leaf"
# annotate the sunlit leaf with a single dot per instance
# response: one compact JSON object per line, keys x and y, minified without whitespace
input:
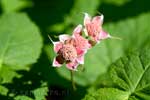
{"x":20,"y":46}
{"x":130,"y":75}
{"x":14,"y":5}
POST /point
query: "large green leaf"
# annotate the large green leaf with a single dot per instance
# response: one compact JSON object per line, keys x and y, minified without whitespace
{"x":134,"y":33}
{"x":20,"y":46}
{"x":14,"y":5}
{"x":107,"y":94}
{"x":20,"y":41}
{"x":130,"y":75}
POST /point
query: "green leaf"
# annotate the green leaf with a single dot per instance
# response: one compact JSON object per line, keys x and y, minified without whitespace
{"x":20,"y":40}
{"x":14,"y":5}
{"x":40,"y":93}
{"x":20,"y":46}
{"x":107,"y":94}
{"x":23,"y":97}
{"x":7,"y":74}
{"x":97,"y":60}
{"x":130,"y":75}
{"x":117,"y":2}
{"x":3,"y":90}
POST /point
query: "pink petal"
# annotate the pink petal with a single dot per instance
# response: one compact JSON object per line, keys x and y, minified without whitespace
{"x":87,"y":19}
{"x":88,"y":45}
{"x":104,"y":35}
{"x":77,"y":30}
{"x":98,"y":20}
{"x":72,"y":65}
{"x":57,"y":46}
{"x":81,"y":52}
{"x":56,"y":63}
{"x":81,"y":42}
{"x":64,"y":37}
{"x":80,"y":60}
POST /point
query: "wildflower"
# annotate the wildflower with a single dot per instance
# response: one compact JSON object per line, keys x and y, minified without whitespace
{"x":93,"y":28}
{"x":71,"y":49}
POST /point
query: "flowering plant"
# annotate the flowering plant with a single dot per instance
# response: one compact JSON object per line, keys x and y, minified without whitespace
{"x":71,"y":49}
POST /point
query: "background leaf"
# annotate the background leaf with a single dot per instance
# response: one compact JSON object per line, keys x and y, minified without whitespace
{"x":20,"y":46}
{"x":107,"y":94}
{"x":20,"y":41}
{"x":130,"y":76}
{"x":76,"y":14}
{"x":14,"y":5}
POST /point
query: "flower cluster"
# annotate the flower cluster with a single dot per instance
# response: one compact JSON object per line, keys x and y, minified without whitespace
{"x":71,"y":49}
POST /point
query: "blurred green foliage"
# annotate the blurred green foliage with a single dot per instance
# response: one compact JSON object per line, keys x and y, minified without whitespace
{"x":25,"y":61}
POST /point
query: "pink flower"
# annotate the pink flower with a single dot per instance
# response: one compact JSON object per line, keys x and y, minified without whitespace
{"x":71,"y":49}
{"x":80,"y":41}
{"x":93,"y":28}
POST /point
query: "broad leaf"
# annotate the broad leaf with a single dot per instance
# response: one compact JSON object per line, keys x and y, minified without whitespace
{"x":14,"y":5}
{"x":130,"y":75}
{"x":20,"y":46}
{"x":107,"y":94}
{"x":20,"y":41}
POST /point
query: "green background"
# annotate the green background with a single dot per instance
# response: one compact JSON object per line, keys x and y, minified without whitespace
{"x":26,"y":54}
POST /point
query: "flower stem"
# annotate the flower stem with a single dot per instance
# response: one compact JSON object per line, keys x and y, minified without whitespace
{"x":72,"y":80}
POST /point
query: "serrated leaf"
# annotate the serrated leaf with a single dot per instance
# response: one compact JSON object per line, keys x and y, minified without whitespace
{"x":97,"y":60}
{"x":107,"y":94}
{"x":14,"y":5}
{"x":131,"y":76}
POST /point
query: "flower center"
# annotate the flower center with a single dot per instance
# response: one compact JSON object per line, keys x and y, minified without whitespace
{"x":68,"y":52}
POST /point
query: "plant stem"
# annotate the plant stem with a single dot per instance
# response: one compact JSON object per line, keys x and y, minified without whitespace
{"x":72,"y":80}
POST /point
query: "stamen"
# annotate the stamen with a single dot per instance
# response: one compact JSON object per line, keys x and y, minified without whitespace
{"x":68,"y":52}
